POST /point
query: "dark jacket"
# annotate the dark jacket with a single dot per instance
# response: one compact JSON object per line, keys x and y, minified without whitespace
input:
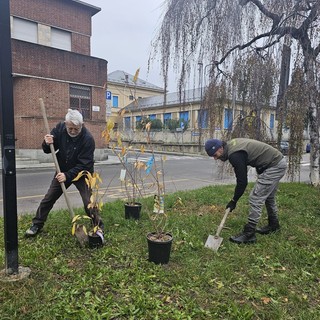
{"x":242,"y":152}
{"x":73,"y":154}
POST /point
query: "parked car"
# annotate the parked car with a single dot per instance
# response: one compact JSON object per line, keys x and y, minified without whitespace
{"x":284,"y":147}
{"x":308,"y":147}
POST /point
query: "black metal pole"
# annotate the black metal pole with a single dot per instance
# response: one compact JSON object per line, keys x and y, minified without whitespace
{"x":8,"y":142}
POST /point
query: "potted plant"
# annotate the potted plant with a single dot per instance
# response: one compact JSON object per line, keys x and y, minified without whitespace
{"x":159,"y":240}
{"x":131,"y":173}
{"x":94,"y":231}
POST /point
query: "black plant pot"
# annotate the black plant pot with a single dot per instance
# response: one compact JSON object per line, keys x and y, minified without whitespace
{"x":159,"y":249}
{"x":132,"y":210}
{"x":94,"y":241}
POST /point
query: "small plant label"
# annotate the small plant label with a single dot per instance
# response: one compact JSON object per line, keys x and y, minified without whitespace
{"x":122,"y":174}
{"x":158,"y":205}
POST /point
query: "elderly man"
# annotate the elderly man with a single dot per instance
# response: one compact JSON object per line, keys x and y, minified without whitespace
{"x":75,"y":147}
{"x":270,"y":166}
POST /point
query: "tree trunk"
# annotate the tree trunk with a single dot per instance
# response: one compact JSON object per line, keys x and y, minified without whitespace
{"x":313,"y":118}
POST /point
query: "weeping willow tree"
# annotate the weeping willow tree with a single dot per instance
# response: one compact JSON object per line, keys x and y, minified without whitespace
{"x":216,"y":32}
{"x":255,"y":78}
{"x":297,"y":109}
{"x":215,"y":100}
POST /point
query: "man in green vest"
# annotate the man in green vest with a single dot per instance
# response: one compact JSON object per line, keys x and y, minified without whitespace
{"x":270,"y":166}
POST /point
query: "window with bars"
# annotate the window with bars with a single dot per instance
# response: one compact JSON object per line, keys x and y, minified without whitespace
{"x":228,"y":119}
{"x":80,"y":99}
{"x":166,"y":118}
{"x":203,"y":119}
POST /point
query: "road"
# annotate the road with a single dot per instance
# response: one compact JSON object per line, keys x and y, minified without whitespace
{"x":181,"y":173}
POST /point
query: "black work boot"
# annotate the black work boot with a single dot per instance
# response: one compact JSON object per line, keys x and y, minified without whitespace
{"x":247,"y":236}
{"x":272,"y":226}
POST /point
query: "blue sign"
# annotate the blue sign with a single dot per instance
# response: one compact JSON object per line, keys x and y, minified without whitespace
{"x":108,"y":95}
{"x":182,"y":125}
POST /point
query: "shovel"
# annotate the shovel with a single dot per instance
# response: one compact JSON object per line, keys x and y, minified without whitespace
{"x":81,"y":236}
{"x":214,"y":242}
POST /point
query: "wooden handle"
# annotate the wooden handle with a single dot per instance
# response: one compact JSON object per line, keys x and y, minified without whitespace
{"x":222,"y":222}
{"x":55,"y":160}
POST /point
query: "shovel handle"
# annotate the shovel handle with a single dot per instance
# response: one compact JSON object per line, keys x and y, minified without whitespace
{"x":55,"y":160}
{"x":222,"y":222}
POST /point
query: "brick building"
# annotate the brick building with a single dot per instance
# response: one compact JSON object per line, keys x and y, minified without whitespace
{"x":51,"y":60}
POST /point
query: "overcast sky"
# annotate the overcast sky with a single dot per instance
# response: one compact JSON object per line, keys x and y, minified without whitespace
{"x":122,"y":33}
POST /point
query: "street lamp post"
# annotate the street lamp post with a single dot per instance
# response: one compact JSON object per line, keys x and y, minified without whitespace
{"x":8,"y":143}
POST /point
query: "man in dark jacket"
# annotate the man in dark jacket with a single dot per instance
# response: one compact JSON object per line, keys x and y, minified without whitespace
{"x":270,"y":166}
{"x":74,"y":147}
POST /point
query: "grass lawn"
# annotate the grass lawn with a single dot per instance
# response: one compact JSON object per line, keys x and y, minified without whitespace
{"x":276,"y":278}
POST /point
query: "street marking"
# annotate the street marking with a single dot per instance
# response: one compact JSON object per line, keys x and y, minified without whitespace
{"x":116,"y":190}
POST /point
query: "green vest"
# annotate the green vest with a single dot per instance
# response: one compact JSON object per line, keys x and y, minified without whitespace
{"x":260,"y":154}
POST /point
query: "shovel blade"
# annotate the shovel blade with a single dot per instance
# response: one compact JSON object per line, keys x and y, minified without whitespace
{"x":213,"y":242}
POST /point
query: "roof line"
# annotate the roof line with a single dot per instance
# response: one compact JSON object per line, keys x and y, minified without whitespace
{"x":95,"y":9}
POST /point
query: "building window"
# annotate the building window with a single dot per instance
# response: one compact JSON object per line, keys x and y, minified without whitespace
{"x":152,"y":117}
{"x":184,"y":119}
{"x":80,"y":99}
{"x":271,"y":121}
{"x":166,"y":118}
{"x":24,"y":30}
{"x":138,"y":121}
{"x":184,"y":115}
{"x":228,"y":119}
{"x":203,"y":119}
{"x":131,"y":97}
{"x":115,"y":101}
{"x":60,"y":39}
{"x":127,"y":123}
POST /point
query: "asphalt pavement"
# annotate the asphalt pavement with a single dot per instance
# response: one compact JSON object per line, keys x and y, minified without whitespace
{"x":113,"y":159}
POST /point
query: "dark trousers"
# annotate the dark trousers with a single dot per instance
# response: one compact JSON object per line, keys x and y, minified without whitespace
{"x":53,"y":194}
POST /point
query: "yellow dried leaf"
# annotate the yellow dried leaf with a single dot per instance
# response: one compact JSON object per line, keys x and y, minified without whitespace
{"x":75,"y":218}
{"x":265,"y":300}
{"x":136,"y":75}
{"x":139,"y":165}
{"x":110,"y":124}
{"x":107,"y":137}
{"x":80,"y":174}
{"x":97,"y":176}
{"x":93,"y":182}
{"x":148,"y":126}
{"x":73,"y":230}
{"x":142,"y":149}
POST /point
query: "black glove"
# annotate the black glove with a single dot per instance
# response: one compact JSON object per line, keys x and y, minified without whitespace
{"x":231,"y":205}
